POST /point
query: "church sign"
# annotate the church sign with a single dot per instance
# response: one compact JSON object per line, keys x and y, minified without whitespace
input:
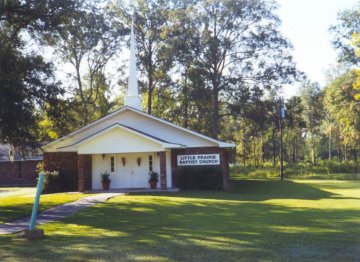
{"x":198,"y":160}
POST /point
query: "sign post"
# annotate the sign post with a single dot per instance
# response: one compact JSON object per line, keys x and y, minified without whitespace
{"x":33,"y":233}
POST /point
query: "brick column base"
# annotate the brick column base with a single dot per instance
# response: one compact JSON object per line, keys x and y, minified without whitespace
{"x":163,"y":183}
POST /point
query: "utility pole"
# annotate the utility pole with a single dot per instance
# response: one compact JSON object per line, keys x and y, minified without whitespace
{"x":282,"y":115}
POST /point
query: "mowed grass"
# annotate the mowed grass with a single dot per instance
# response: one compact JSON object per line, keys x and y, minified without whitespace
{"x":18,"y":202}
{"x":257,"y":220}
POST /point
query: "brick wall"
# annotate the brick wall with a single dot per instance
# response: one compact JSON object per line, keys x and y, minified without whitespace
{"x":224,"y":161}
{"x":9,"y":173}
{"x":162,"y":157}
{"x":71,"y":163}
{"x":63,"y":162}
{"x":85,"y":176}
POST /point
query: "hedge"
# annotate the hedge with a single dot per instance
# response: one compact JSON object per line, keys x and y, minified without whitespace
{"x":201,"y":178}
{"x":56,"y":181}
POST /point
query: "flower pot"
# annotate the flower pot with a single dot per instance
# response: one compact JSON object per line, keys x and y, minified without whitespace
{"x":153,"y":184}
{"x":106,"y":185}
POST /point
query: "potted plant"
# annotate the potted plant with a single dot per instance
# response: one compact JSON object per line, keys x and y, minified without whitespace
{"x":105,"y":180}
{"x":153,"y":179}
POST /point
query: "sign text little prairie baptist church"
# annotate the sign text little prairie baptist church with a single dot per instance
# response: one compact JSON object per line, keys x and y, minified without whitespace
{"x":198,"y":160}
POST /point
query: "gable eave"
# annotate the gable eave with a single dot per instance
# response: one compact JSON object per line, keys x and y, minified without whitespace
{"x":61,"y":139}
{"x":164,"y":144}
{"x":219,"y":143}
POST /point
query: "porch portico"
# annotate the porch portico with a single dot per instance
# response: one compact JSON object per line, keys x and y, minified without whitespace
{"x":127,"y":155}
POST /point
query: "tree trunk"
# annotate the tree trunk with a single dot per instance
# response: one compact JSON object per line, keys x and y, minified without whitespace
{"x":186,"y":102}
{"x":244,"y":150}
{"x":254,"y":149}
{"x":215,"y":115}
{"x":150,"y":78}
{"x":274,"y":147}
{"x":294,"y":150}
{"x":262,"y":149}
{"x":338,"y":148}
{"x":345,"y":152}
{"x":150,"y":91}
{"x":313,"y":160}
{"x":329,"y":147}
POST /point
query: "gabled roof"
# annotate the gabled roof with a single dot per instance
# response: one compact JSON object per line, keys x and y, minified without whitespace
{"x":29,"y":151}
{"x":127,"y":108}
{"x":162,"y":142}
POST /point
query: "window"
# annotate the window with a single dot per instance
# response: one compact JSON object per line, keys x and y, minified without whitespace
{"x":150,"y":163}
{"x":19,"y":171}
{"x":112,"y":164}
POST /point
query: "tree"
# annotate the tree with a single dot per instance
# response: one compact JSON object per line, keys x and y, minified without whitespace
{"x":311,"y":98}
{"x":295,"y":123}
{"x":342,"y":106}
{"x":344,"y":33}
{"x":25,"y":79}
{"x":238,"y":41}
{"x":87,"y":40}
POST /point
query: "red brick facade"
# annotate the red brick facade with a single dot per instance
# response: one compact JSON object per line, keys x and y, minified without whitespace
{"x":163,"y":182}
{"x":85,"y":176}
{"x":71,"y":163}
{"x":224,"y":161}
{"x":18,"y":173}
{"x":63,"y":162}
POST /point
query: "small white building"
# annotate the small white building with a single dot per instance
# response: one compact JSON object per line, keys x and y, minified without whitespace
{"x":129,"y":143}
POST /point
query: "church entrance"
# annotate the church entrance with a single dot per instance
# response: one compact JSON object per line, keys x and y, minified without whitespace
{"x":126,"y":170}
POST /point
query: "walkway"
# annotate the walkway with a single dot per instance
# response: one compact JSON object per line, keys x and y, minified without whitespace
{"x":56,"y":213}
{"x":134,"y":190}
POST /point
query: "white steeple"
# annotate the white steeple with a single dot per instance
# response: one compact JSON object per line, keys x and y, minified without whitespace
{"x":133,"y":98}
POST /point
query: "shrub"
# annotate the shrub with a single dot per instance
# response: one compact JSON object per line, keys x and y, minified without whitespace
{"x":69,"y":181}
{"x":264,"y":173}
{"x":51,"y":182}
{"x":202,"y":178}
{"x":56,"y":181}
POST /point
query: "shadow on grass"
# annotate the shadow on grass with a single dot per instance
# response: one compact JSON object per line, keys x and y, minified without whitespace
{"x":190,"y":226}
{"x":257,"y":190}
{"x":195,"y":231}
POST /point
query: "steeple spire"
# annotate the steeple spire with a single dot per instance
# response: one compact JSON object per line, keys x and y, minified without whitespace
{"x":133,"y":98}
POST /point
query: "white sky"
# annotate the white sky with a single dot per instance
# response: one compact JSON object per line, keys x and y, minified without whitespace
{"x":306,"y":24}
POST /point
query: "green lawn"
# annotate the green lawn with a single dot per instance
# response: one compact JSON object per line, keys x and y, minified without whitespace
{"x":258,"y":220}
{"x":18,"y":201}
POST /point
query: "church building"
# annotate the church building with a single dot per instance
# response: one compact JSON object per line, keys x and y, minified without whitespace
{"x":128,"y":144}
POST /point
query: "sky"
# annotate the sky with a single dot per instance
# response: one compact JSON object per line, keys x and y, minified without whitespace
{"x":306,"y":24}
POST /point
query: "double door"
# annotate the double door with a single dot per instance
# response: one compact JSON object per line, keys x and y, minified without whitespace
{"x":130,"y":171}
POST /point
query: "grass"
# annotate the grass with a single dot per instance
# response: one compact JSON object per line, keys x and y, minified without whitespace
{"x":324,"y":170}
{"x":18,"y":202}
{"x":257,"y":220}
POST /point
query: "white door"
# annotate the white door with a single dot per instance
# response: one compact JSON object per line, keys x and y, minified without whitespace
{"x":123,"y":172}
{"x":131,"y":171}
